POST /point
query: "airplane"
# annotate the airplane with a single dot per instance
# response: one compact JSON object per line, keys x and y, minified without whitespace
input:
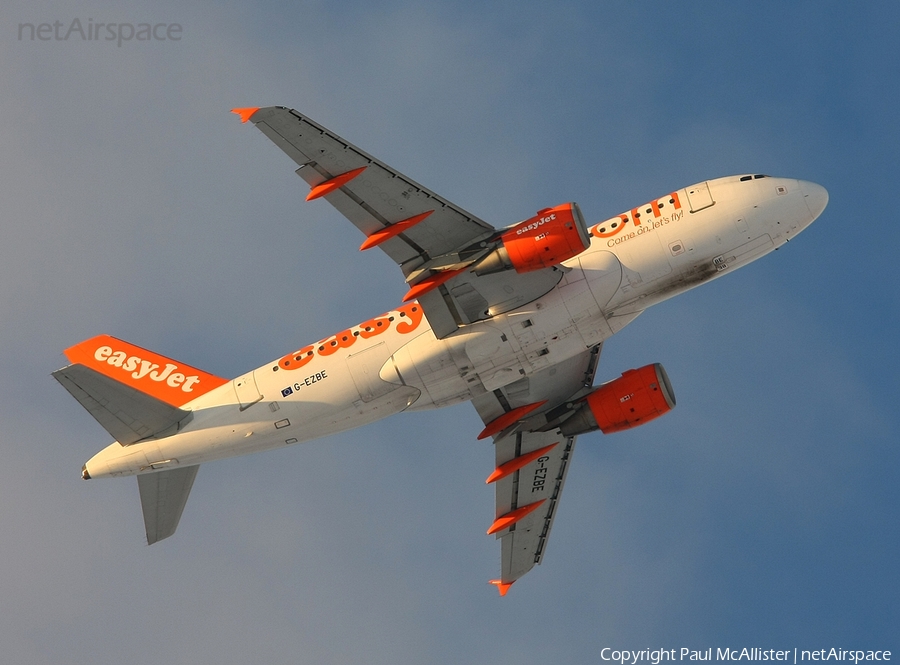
{"x":512,"y":319}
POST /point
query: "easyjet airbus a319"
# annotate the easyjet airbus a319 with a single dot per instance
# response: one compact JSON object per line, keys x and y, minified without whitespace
{"x":511,"y":319}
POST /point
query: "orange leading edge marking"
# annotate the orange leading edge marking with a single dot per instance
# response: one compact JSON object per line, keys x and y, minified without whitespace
{"x":431,"y":282}
{"x":517,"y":463}
{"x":513,"y":516}
{"x":508,"y":418}
{"x":393,"y":230}
{"x":334,"y":183}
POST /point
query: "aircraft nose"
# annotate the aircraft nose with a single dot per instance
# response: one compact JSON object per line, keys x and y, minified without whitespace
{"x":816,"y":197}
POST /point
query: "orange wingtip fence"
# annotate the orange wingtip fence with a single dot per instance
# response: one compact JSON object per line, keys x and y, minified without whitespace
{"x":502,"y":587}
{"x":165,"y":379}
{"x":244,"y":114}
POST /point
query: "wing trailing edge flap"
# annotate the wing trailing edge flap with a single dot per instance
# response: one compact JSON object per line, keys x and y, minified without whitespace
{"x":129,"y":415}
{"x":163,"y":497}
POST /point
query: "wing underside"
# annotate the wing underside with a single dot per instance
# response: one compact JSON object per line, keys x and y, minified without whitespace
{"x":437,"y":246}
{"x":378,"y":197}
{"x":541,"y":481}
{"x":429,"y":237}
{"x":532,"y":459}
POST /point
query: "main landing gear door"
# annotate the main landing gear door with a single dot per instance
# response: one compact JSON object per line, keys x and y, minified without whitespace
{"x":699,"y":197}
{"x":246,"y":390}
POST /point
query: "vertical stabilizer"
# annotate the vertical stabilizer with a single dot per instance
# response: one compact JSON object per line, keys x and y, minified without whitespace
{"x":167,"y":380}
{"x":134,"y":393}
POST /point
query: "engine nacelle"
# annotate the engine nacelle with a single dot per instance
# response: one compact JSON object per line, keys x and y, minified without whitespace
{"x":548,"y":238}
{"x":636,"y":397}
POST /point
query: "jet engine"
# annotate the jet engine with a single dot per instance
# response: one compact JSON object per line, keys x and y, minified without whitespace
{"x":548,"y":238}
{"x":636,"y":397}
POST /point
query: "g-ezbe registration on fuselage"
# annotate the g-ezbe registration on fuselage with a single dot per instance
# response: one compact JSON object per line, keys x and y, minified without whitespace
{"x":511,"y":319}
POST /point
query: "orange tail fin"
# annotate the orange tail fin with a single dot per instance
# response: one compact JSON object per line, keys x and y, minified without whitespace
{"x":165,"y":379}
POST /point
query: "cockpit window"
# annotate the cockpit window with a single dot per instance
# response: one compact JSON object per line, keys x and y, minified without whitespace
{"x":746,"y":177}
{"x":761,"y":175}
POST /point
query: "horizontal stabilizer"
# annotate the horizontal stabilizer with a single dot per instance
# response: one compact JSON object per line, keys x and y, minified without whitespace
{"x":125,"y":412}
{"x":163,"y":496}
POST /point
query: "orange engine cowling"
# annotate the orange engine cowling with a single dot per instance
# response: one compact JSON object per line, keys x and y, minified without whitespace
{"x":636,"y":397}
{"x":548,"y":238}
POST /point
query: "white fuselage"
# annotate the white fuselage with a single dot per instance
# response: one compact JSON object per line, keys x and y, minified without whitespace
{"x":394,"y":362}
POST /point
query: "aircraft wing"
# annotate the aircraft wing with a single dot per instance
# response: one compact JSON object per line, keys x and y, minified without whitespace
{"x":378,"y":197}
{"x":432,"y":240}
{"x":532,"y":458}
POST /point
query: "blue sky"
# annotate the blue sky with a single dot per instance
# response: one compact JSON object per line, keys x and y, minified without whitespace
{"x":761,"y":512}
